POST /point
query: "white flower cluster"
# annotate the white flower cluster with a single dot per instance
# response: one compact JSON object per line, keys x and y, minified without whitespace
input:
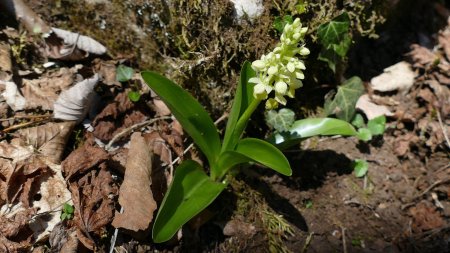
{"x":281,"y":70}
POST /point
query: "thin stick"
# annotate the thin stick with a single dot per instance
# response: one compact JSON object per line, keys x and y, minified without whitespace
{"x":344,"y":244}
{"x":132,"y":128}
{"x":444,"y":129}
{"x":27,"y":117}
{"x":15,"y":127}
{"x":114,"y":238}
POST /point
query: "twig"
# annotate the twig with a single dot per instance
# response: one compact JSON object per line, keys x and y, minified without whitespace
{"x":307,"y":242}
{"x":15,"y":127}
{"x":444,"y":129}
{"x":437,"y":183}
{"x":114,"y":238}
{"x":27,"y":117}
{"x":344,"y":243}
{"x":132,"y":128}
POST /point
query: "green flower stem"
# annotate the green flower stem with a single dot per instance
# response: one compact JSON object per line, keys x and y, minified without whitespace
{"x":243,"y":120}
{"x":238,"y":130}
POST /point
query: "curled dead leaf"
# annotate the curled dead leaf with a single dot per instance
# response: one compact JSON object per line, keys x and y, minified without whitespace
{"x":74,"y":103}
{"x":12,"y":95}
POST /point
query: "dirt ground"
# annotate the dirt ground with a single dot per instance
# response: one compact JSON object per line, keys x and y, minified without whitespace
{"x":402,"y":205}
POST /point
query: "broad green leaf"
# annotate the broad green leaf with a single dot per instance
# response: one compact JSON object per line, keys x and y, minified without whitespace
{"x":305,"y":128}
{"x":190,"y":192}
{"x":377,"y":125}
{"x":364,"y":134}
{"x":191,"y":115}
{"x":264,"y":153}
{"x":358,"y":121}
{"x":134,"y":96}
{"x":228,"y":160}
{"x":243,"y":98}
{"x":343,"y":104}
{"x":281,"y":120}
{"x":124,"y":73}
{"x":360,"y":167}
{"x":68,"y":208}
{"x":334,"y":31}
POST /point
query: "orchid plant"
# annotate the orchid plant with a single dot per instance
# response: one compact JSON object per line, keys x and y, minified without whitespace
{"x":271,"y":78}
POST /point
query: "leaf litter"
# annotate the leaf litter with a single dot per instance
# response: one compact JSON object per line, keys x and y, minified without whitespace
{"x":29,"y":163}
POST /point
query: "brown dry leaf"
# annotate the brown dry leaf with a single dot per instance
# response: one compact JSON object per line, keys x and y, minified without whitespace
{"x":158,"y":146}
{"x":444,"y":41}
{"x":422,"y":56}
{"x":107,"y":69}
{"x":43,"y":92}
{"x":93,"y":198}
{"x":116,"y":116}
{"x":63,"y":240}
{"x":83,"y":159}
{"x":49,"y":139}
{"x":425,"y":217}
{"x":160,"y":107}
{"x":402,"y":143}
{"x":135,"y":195}
{"x":5,"y":62}
{"x":370,"y":109}
{"x":15,"y":235}
{"x":399,"y":76}
{"x":54,"y":193}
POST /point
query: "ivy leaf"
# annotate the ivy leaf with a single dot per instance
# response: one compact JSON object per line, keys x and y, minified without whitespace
{"x":334,"y":31}
{"x":281,"y":120}
{"x":343,"y":104}
{"x":360,"y":167}
{"x":124,"y":73}
{"x":335,"y":39}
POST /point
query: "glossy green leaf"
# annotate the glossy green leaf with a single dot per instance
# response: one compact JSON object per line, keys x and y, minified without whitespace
{"x":360,"y":167}
{"x":190,"y":192}
{"x":191,"y":115}
{"x":343,"y":104}
{"x":305,"y":128}
{"x":243,"y":98}
{"x":124,"y":73}
{"x":281,"y":120}
{"x":228,"y":160}
{"x":264,"y":153}
{"x":364,"y":134}
{"x":377,"y":125}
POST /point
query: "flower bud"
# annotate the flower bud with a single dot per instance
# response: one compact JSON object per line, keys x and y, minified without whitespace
{"x":281,"y":87}
{"x":304,"y":51}
{"x":258,"y":65}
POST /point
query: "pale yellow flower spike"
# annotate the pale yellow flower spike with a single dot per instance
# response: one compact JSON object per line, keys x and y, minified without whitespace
{"x":281,"y":69}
